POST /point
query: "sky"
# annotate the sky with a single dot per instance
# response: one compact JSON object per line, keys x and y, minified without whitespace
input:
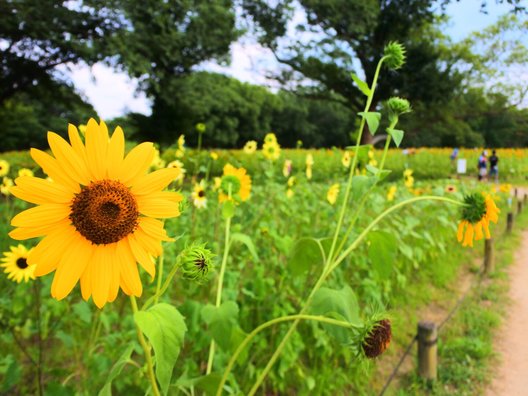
{"x":114,"y":94}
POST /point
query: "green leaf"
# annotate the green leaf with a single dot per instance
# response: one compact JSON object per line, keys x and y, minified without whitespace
{"x":228,"y":209}
{"x":106,"y":390}
{"x":246,"y":240}
{"x":340,"y":304}
{"x":362,"y":85}
{"x":221,"y":322}
{"x":381,"y":174}
{"x":165,"y":328}
{"x":397,"y":135}
{"x":306,"y":253}
{"x":82,"y":309}
{"x":360,"y":185}
{"x":362,"y":151}
{"x":373,"y":119}
{"x":382,"y":251}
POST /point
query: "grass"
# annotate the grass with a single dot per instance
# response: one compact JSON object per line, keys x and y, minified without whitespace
{"x":465,"y":347}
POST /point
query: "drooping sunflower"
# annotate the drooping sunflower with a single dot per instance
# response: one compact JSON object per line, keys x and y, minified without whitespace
{"x":16,"y":266}
{"x":479,"y":210}
{"x":234,"y":183}
{"x":97,"y":215}
{"x":198,"y":195}
{"x":4,"y":167}
{"x":250,"y":147}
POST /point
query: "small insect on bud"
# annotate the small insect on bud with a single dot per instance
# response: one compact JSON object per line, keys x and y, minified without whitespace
{"x":394,"y":54}
{"x":377,"y":339}
{"x":200,"y":127}
{"x":398,"y":106}
{"x":195,"y":262}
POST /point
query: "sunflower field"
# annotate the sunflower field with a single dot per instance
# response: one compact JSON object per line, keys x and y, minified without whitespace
{"x":131,"y":271}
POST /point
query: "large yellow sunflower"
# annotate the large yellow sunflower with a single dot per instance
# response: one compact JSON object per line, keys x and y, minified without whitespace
{"x":97,"y":215}
{"x":15,"y":264}
{"x":480,"y":209}
{"x":235,"y":182}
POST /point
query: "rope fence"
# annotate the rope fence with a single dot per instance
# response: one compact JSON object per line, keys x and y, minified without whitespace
{"x":427,"y":333}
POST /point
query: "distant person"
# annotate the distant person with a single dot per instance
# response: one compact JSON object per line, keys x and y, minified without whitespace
{"x":494,"y":166}
{"x":482,"y":166}
{"x":454,"y":155}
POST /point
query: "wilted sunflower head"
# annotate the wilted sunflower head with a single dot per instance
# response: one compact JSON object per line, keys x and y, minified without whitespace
{"x":474,"y":209}
{"x":377,"y":338}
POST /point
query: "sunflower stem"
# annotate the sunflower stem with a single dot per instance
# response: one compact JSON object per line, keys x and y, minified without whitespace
{"x":270,"y":323}
{"x":331,"y":254}
{"x":146,"y":350}
{"x":220,"y":283}
{"x":160,"y":276}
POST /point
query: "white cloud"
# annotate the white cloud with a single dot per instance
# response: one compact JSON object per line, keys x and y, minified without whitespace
{"x":111,"y":93}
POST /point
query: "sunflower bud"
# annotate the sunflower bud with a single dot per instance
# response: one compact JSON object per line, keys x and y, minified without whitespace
{"x":195,"y":262}
{"x":398,"y":106}
{"x":394,"y":54}
{"x":377,"y":338}
{"x":475,"y":207}
{"x":200,"y":127}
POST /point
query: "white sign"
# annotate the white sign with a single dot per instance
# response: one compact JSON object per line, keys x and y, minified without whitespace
{"x":461,"y":165}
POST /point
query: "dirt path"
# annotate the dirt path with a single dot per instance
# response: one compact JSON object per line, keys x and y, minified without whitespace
{"x":511,"y":378}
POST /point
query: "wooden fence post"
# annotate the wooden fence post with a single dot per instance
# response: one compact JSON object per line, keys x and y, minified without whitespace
{"x":515,"y":191}
{"x":519,"y":207}
{"x":427,"y":350}
{"x":525,"y":200}
{"x":489,"y":257}
{"x":509,"y":222}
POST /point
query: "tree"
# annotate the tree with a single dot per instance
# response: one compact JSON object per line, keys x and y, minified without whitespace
{"x":339,"y":36}
{"x":36,"y":36}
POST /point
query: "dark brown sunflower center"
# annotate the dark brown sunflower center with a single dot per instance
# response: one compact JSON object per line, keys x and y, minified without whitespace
{"x":201,"y":193}
{"x":104,"y":212}
{"x":21,"y":263}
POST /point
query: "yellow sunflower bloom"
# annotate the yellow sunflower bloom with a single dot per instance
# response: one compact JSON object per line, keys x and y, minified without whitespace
{"x":16,"y":266}
{"x":25,"y":172}
{"x":271,"y":150}
{"x":250,"y":147}
{"x":270,"y":138}
{"x":4,"y":168}
{"x":214,"y":156}
{"x":391,"y":193}
{"x":5,"y":187}
{"x":98,"y":215}
{"x":198,"y":195}
{"x":332,"y":194}
{"x":289,"y":193}
{"x":181,"y":169}
{"x":480,"y":209}
{"x":235,"y":183}
{"x":346,"y":159}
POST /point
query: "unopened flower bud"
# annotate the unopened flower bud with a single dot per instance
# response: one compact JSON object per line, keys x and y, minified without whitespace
{"x":398,"y":106}
{"x":200,"y":127}
{"x":196,"y":262}
{"x":377,"y":339}
{"x":394,"y":54}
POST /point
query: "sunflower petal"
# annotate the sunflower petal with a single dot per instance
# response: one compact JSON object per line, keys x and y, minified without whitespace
{"x":159,"y":208}
{"x":76,"y":141}
{"x":47,"y":254}
{"x":136,"y":163}
{"x":66,"y":155}
{"x":41,"y":215}
{"x":96,"y":150}
{"x":53,"y":169}
{"x":155,"y":181}
{"x":154,"y":228}
{"x":40,"y":191}
{"x":116,"y":151}
{"x":101,"y":275}
{"x":73,"y":263}
{"x":129,"y":269}
{"x":141,"y":256}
